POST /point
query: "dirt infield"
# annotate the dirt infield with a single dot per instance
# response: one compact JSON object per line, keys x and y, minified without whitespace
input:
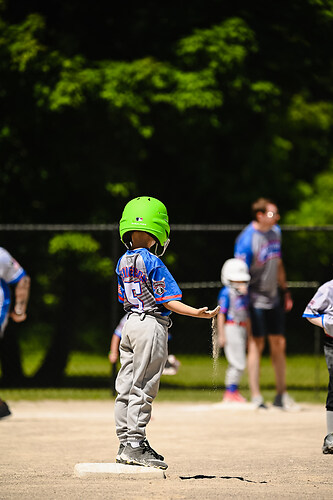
{"x":212,"y":452}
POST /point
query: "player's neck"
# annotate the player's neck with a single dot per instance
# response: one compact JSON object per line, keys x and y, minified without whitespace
{"x":141,"y":239}
{"x":259,"y":226}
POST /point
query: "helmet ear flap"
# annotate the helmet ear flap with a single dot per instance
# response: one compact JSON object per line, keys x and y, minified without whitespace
{"x":164,"y":247}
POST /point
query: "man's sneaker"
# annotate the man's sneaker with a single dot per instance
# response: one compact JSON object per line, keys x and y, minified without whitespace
{"x":121,"y":449}
{"x":259,"y":403}
{"x":142,"y":455}
{"x":233,"y":397}
{"x":328,"y":444}
{"x":285,"y":402}
{"x":4,"y":410}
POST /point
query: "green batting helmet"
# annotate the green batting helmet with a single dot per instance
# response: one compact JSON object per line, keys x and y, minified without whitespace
{"x":145,"y":214}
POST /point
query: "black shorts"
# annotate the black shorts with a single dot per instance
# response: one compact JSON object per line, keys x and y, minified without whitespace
{"x":267,"y":321}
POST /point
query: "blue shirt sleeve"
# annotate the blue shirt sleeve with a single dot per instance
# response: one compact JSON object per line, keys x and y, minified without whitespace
{"x":121,"y":290}
{"x":164,"y":285}
{"x":223,"y":300}
{"x":243,"y":246}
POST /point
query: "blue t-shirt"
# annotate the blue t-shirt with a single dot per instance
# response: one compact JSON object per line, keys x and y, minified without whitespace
{"x":145,"y":283}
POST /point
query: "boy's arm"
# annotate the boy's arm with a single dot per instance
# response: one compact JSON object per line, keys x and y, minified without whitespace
{"x":325,"y":321}
{"x":220,"y":329}
{"x":114,"y":348}
{"x":22,"y":292}
{"x":180,"y":308}
{"x":319,"y":310}
{"x":316,"y":321}
{"x":319,"y":322}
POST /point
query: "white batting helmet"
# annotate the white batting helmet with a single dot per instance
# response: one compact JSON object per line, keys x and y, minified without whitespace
{"x":234,"y":270}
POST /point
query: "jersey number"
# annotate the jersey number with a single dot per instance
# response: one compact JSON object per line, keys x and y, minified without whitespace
{"x":133,"y":291}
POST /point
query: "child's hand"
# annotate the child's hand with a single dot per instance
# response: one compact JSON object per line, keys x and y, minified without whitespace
{"x":113,"y":356}
{"x":18,"y":318}
{"x":204,"y":313}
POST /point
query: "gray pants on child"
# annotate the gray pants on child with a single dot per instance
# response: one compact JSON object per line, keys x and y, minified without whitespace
{"x":235,"y":352}
{"x":143,"y":354}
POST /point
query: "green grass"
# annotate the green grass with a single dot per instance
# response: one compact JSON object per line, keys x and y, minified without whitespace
{"x":199,"y":379}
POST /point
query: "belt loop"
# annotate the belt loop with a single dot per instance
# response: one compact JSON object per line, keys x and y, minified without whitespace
{"x":142,"y":316}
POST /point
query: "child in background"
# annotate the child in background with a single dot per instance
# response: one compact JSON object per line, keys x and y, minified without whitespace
{"x":319,"y":311}
{"x":233,"y":324}
{"x":149,"y":294}
{"x":115,"y":340}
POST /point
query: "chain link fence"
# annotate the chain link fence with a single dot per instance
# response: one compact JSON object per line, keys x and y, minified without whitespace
{"x":73,"y":309}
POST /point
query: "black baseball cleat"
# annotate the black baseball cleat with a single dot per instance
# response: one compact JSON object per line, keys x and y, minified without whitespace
{"x":4,"y":410}
{"x":328,"y":444}
{"x":285,"y":402}
{"x":143,"y":455}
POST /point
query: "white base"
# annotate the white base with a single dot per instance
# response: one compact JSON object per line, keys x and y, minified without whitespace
{"x":120,"y":470}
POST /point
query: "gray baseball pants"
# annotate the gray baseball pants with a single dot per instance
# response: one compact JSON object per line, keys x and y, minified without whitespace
{"x":143,"y":354}
{"x":235,"y":353}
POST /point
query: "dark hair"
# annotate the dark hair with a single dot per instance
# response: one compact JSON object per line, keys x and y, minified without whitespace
{"x":260,"y":205}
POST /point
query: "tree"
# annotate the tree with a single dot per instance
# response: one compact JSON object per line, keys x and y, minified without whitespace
{"x":205,"y":109}
{"x":78,"y":269}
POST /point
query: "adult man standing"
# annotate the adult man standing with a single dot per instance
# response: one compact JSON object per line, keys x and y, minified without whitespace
{"x":11,"y":273}
{"x":259,"y":245}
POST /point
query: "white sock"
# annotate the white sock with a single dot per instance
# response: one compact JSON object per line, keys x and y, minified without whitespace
{"x":135,"y":444}
{"x":329,"y":421}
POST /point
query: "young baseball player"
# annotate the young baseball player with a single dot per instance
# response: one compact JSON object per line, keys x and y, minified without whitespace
{"x":149,"y":294}
{"x":233,"y":324}
{"x":319,"y":311}
{"x":11,"y":274}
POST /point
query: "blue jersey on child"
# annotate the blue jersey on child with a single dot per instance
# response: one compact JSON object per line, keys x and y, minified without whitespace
{"x":321,"y":306}
{"x":10,"y":273}
{"x":233,"y":305}
{"x":145,"y":283}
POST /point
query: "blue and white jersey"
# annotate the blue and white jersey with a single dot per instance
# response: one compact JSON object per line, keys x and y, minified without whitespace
{"x":145,"y":283}
{"x":233,"y":305}
{"x":10,"y":273}
{"x":261,"y":251}
{"x":321,"y":306}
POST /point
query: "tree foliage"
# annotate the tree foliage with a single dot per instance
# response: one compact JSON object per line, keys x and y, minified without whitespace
{"x":205,"y":109}
{"x":246,"y":92}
